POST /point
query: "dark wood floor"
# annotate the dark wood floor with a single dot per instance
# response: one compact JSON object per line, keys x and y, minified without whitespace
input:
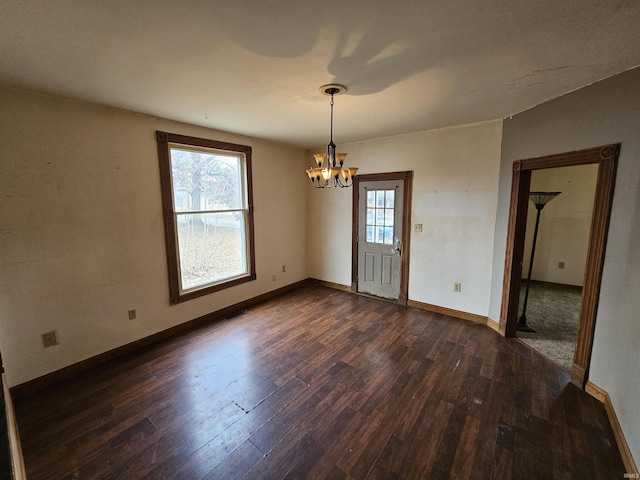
{"x":320,"y":383}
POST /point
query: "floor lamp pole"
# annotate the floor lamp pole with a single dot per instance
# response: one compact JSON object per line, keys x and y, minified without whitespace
{"x":540,"y":199}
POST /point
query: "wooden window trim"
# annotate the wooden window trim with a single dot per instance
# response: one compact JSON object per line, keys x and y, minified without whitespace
{"x":163,"y":140}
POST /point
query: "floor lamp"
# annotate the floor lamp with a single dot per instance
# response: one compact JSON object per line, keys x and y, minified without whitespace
{"x":539,"y":199}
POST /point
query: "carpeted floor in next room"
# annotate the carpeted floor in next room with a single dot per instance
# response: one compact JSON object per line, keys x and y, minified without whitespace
{"x":553,"y":311}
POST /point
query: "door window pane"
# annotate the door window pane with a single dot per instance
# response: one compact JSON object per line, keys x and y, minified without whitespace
{"x":390,"y":199}
{"x":380,"y":216}
{"x":388,"y":217}
{"x":370,"y":233}
{"x":371,"y":199}
{"x":371,"y":216}
{"x":388,"y":235}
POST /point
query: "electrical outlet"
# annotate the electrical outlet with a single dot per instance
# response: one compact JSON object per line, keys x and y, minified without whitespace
{"x":133,"y":314}
{"x":457,"y":287}
{"x":417,"y":227}
{"x":49,"y":338}
{"x":561,"y":265}
{"x":284,"y":268}
{"x":273,"y":277}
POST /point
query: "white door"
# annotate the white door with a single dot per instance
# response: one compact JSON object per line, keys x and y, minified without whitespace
{"x":379,"y":237}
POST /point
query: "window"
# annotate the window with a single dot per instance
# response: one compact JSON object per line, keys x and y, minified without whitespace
{"x":380,"y":213}
{"x":208,"y":214}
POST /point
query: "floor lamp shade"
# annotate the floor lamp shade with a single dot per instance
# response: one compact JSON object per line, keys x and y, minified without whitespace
{"x":540,"y":199}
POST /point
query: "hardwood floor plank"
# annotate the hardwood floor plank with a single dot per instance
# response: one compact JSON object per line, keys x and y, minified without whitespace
{"x":216,"y":450}
{"x":188,"y":435}
{"x":341,"y":442}
{"x":462,"y":465}
{"x":423,"y":451}
{"x":144,"y":462}
{"x":368,"y":442}
{"x":237,"y":464}
{"x":97,"y":467}
{"x":319,"y":383}
{"x":289,"y":418}
{"x":316,"y":441}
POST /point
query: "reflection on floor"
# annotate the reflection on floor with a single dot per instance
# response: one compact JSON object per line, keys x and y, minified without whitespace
{"x":553,"y":311}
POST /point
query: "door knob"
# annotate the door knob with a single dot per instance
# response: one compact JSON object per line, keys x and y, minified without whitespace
{"x":397,"y":246}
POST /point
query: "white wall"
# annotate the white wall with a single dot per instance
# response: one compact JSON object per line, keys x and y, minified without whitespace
{"x":454,"y":197}
{"x":565,"y":222}
{"x":81,"y":233}
{"x":602,"y":113}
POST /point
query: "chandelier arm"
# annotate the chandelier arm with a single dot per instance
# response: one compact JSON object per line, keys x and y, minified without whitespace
{"x":345,"y":184}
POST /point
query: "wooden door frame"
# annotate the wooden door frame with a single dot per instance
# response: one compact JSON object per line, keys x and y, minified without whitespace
{"x":407,"y":177}
{"x":606,"y":157}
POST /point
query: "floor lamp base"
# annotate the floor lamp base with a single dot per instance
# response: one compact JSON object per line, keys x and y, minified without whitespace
{"x":522,"y":325}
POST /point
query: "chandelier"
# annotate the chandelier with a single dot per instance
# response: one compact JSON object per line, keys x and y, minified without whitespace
{"x":329,"y":172}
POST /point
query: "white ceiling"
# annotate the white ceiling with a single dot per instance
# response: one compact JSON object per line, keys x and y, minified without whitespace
{"x":254,"y":66}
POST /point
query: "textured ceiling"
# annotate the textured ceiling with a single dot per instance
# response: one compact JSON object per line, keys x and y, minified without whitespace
{"x":254,"y":67}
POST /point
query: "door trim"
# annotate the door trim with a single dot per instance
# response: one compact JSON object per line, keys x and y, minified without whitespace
{"x":606,"y":157}
{"x":407,"y":177}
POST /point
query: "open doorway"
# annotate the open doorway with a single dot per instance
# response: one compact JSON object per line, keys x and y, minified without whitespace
{"x":553,"y":286}
{"x":605,"y":158}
